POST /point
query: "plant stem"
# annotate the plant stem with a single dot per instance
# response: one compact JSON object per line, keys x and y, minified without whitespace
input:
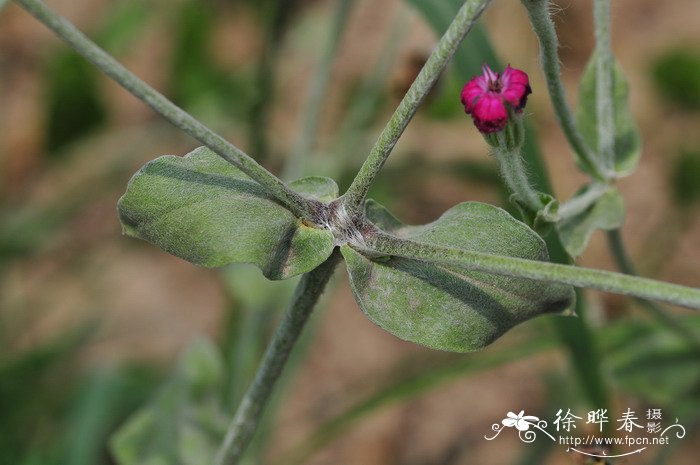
{"x":446,"y":47}
{"x":580,"y":203}
{"x":242,"y":427}
{"x":542,"y":271}
{"x":542,"y":24}
{"x":515,"y":175}
{"x":88,"y":49}
{"x":604,"y":84}
{"x":296,"y":162}
{"x":624,"y":263}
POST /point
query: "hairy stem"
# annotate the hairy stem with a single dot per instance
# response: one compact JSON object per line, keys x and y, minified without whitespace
{"x":317,"y":91}
{"x":88,"y":49}
{"x":515,"y":176}
{"x":604,"y":84}
{"x":624,"y":264}
{"x":244,"y":423}
{"x":446,"y":47}
{"x":542,"y":24}
{"x":580,"y":203}
{"x":542,"y":271}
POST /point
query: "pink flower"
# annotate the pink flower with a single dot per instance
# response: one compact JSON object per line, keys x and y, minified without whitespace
{"x":486,"y":97}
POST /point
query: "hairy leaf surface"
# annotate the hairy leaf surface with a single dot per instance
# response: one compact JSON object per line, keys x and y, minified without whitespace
{"x":447,"y":307}
{"x":628,"y":144}
{"x":206,"y":211}
{"x":606,"y":213}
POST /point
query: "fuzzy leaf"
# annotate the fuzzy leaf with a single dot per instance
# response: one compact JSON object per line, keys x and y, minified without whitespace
{"x":185,"y":422}
{"x":449,"y":308}
{"x":542,"y":220}
{"x":628,"y":144}
{"x":607,"y":213}
{"x":206,"y":211}
{"x":316,"y":187}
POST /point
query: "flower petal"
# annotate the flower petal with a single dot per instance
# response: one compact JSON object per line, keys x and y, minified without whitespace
{"x":516,"y":87}
{"x":509,"y":422}
{"x":489,"y":113}
{"x":472,"y":91}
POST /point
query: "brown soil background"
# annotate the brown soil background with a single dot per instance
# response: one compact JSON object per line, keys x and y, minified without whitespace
{"x":150,"y":304}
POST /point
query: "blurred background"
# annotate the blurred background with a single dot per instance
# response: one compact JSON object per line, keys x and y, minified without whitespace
{"x":111,"y":349}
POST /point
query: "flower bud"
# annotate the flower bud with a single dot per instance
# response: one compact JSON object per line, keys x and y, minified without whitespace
{"x":494,"y":99}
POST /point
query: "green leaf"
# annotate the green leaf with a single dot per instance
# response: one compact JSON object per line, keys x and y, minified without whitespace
{"x":316,"y":187}
{"x":184,"y":424}
{"x":606,"y":213}
{"x":449,"y":308}
{"x":628,"y":144}
{"x":206,"y":211}
{"x":542,"y":220}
